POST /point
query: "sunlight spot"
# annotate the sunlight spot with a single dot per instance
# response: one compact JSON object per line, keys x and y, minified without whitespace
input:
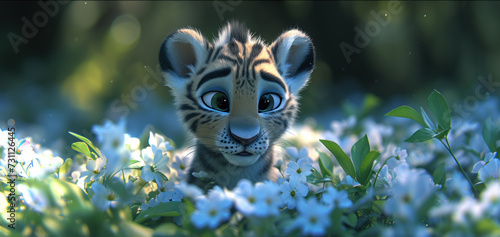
{"x":125,"y":30}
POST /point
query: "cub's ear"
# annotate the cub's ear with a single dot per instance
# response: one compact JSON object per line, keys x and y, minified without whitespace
{"x":181,"y":53}
{"x":293,"y":52}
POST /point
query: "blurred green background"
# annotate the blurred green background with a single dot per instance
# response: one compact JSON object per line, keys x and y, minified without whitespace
{"x":67,"y":66}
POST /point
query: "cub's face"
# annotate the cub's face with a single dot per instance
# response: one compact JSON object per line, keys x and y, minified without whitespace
{"x":239,"y":95}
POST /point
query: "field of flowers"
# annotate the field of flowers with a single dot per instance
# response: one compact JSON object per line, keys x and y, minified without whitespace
{"x":413,"y":172}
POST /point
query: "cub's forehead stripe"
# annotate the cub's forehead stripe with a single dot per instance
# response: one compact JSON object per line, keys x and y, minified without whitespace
{"x":272,"y":78}
{"x":212,"y":75}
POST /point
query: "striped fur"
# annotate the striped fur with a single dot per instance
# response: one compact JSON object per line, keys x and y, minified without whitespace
{"x":235,"y":133}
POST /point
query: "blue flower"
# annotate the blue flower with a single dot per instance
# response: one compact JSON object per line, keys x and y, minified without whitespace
{"x":103,"y":198}
{"x":212,"y":210}
{"x":313,"y":217}
{"x":291,"y":191}
{"x":336,"y":199}
{"x":154,"y":164}
{"x":299,"y":170}
{"x":488,"y":168}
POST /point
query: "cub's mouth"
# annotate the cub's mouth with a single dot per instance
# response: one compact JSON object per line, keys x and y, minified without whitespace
{"x":243,"y":158}
{"x":244,"y":153}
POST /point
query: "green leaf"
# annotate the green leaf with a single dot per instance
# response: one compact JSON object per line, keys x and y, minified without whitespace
{"x":407,"y":112}
{"x":421,"y":135}
{"x":351,"y":220}
{"x":81,"y":147}
{"x":442,"y":134}
{"x":440,"y":109}
{"x":170,"y":229}
{"x":439,"y":175}
{"x":316,"y":177}
{"x":84,"y":139}
{"x":367,"y":166}
{"x":487,"y":227}
{"x":491,"y":135}
{"x":129,"y":228}
{"x":358,"y":152}
{"x":325,"y":164}
{"x":162,"y":209}
{"x":341,"y":157}
{"x":427,"y":120}
{"x":131,"y":162}
{"x":65,"y":167}
{"x":324,"y":171}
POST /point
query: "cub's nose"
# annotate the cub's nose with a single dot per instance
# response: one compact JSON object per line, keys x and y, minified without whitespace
{"x":243,"y":140}
{"x":245,"y":131}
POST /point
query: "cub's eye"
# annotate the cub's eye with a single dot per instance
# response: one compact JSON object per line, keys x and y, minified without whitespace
{"x":216,"y":100}
{"x":269,"y":102}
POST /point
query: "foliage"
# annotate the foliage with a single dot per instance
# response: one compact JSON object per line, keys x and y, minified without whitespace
{"x":348,"y":180}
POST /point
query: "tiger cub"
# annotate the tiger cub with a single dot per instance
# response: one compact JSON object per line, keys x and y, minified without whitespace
{"x":237,"y":96}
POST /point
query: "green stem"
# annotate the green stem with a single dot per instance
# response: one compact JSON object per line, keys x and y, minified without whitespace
{"x":123,"y":177}
{"x":448,"y":147}
{"x":378,"y":172}
{"x":368,"y":218}
{"x":141,"y":188}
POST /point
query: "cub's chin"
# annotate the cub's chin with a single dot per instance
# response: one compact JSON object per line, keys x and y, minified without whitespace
{"x":242,"y":159}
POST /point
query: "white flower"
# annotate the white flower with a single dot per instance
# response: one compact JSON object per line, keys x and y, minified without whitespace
{"x":401,"y":153}
{"x":43,"y":164}
{"x":491,"y":170}
{"x":295,"y":155}
{"x":291,"y":191}
{"x":189,"y":190}
{"x":132,"y":143}
{"x":313,"y":218}
{"x":103,"y":198}
{"x":336,"y":199}
{"x":299,"y":170}
{"x":410,"y":191}
{"x":95,"y":169}
{"x":244,"y":197}
{"x":109,"y":135}
{"x":181,"y":166}
{"x":340,"y":127}
{"x":384,"y":181}
{"x":154,"y":163}
{"x":268,"y":199}
{"x":169,"y":196}
{"x":168,"y":192}
{"x":24,"y":150}
{"x":212,"y":210}
{"x":34,"y":198}
{"x":466,"y":211}
{"x":157,"y":142}
{"x":481,"y":164}
{"x":348,"y":180}
{"x":490,"y":199}
{"x":4,"y":138}
{"x":376,"y":132}
{"x":111,"y":138}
